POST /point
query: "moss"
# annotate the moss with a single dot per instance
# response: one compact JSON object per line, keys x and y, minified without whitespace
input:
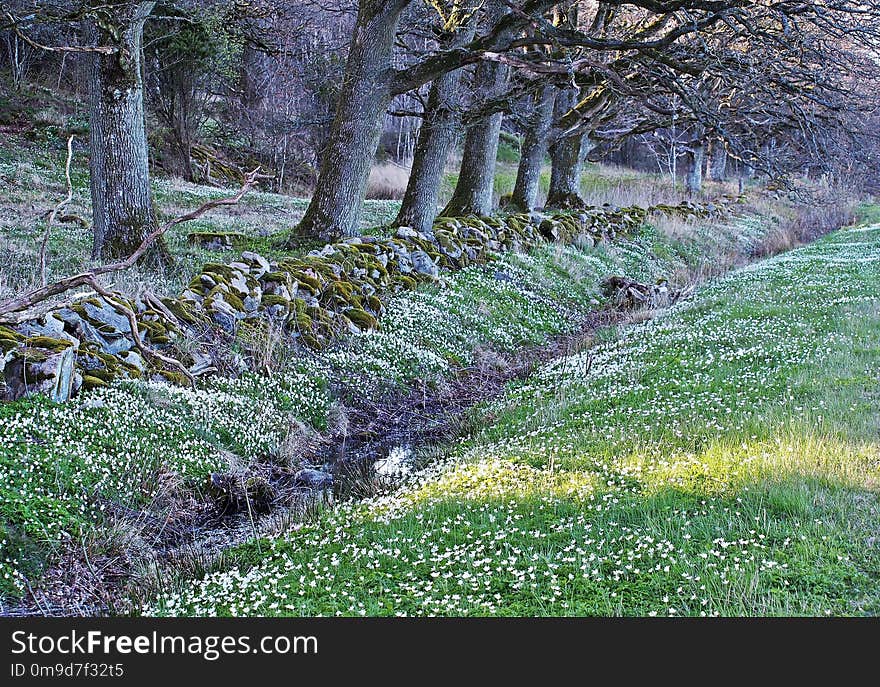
{"x":270,"y":299}
{"x":311,"y":341}
{"x":375,"y":304}
{"x":220,"y":273}
{"x":180,"y":310}
{"x":92,"y":382}
{"x":202,"y":237}
{"x":7,"y":334}
{"x":110,"y":362}
{"x":304,"y":322}
{"x":361,"y":318}
{"x":32,"y":355}
{"x":406,"y":281}
{"x":309,"y":282}
{"x":340,"y":288}
{"x":277,"y":277}
{"x":48,"y":343}
{"x":104,"y":375}
{"x":230,"y":298}
{"x":299,"y":305}
{"x":174,"y":377}
{"x":152,"y":328}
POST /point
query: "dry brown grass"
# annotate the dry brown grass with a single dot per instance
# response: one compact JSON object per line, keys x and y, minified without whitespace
{"x":806,"y":225}
{"x":387,"y":182}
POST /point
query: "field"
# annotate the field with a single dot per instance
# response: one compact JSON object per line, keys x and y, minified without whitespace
{"x":720,"y":459}
{"x":715,"y":458}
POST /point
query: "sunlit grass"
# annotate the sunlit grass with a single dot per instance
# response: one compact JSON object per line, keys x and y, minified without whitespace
{"x":721,"y":460}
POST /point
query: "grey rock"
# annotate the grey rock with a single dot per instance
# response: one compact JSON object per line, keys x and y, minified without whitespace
{"x":133,"y":358}
{"x":404,"y":263}
{"x":406,"y":233}
{"x":53,"y":377}
{"x":422,"y":264}
{"x":207,"y":280}
{"x":314,"y":479}
{"x":109,"y":316}
{"x":224,"y":321}
{"x":258,"y":264}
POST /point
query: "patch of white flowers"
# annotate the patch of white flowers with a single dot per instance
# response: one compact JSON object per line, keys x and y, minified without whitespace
{"x":62,"y":466}
{"x":566,"y":509}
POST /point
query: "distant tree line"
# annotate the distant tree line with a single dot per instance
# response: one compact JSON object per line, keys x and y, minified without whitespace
{"x":312,"y":89}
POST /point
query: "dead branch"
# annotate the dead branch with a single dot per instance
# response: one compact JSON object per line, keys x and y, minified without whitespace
{"x":52,"y":215}
{"x":21,"y":303}
{"x":100,"y":49}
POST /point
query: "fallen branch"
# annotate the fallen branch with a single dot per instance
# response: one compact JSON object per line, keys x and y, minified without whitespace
{"x":52,"y":215}
{"x":21,"y":303}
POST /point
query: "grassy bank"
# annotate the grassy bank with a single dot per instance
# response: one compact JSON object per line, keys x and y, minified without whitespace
{"x":719,"y":460}
{"x":87,"y":471}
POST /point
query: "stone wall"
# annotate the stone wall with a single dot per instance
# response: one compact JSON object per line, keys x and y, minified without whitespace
{"x":312,"y":298}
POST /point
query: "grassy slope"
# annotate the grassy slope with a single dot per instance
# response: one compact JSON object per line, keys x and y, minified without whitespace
{"x":722,"y":459}
{"x":68,"y":472}
{"x":32,"y":176}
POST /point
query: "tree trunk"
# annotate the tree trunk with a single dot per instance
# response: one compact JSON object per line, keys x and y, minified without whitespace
{"x":695,"y":157}
{"x":718,"y":160}
{"x":335,"y":208}
{"x":566,"y":156}
{"x":122,"y":201}
{"x":534,"y":150}
{"x":476,"y":178}
{"x":436,"y":135}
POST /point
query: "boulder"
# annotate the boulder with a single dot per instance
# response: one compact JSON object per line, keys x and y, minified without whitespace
{"x":42,"y":366}
{"x":423,"y":264}
{"x":313,"y":479}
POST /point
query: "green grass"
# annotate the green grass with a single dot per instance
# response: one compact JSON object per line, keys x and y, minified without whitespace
{"x":720,"y":460}
{"x":122,"y":449}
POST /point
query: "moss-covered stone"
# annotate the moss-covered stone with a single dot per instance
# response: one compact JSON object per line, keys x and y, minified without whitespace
{"x":92,"y":382}
{"x":361,"y":318}
{"x":270,"y":299}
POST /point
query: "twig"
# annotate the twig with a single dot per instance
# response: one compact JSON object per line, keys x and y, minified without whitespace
{"x":52,"y":215}
{"x":31,"y":298}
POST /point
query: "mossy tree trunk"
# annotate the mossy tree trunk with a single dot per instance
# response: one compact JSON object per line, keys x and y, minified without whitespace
{"x":696,"y":156}
{"x":436,"y":136}
{"x":474,"y":191}
{"x":717,"y":160}
{"x":364,"y":96}
{"x":534,"y":150}
{"x":566,"y":156}
{"x":122,"y":201}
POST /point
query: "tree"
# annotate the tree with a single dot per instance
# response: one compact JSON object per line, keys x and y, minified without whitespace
{"x":366,"y":91}
{"x":473,"y":193}
{"x":370,"y":83}
{"x":122,"y":201}
{"x":437,"y":134}
{"x":534,"y":150}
